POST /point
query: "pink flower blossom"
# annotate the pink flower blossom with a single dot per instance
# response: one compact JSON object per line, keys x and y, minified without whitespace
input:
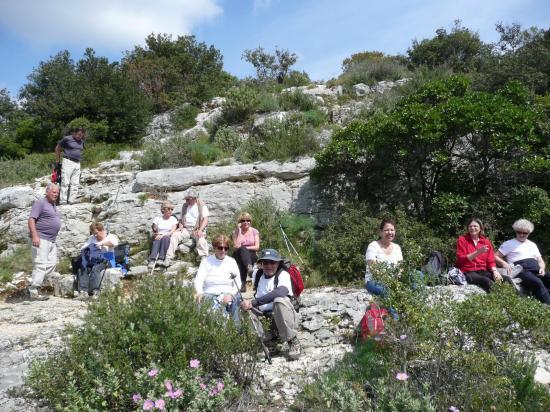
{"x":168,"y":385}
{"x":202,"y":386}
{"x":153,"y":372}
{"x":453,"y":409}
{"x":194,"y":363}
{"x":401,"y":376}
{"x":213,"y":392}
{"x":148,"y":405}
{"x":220,"y":386}
{"x":403,"y":337}
{"x":176,"y":394}
{"x":136,"y":397}
{"x":160,"y":404}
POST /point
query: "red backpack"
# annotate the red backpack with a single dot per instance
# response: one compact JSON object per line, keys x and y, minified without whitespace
{"x":372,"y":323}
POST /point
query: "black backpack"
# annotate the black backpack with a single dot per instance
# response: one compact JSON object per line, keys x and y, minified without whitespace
{"x":435,"y":269}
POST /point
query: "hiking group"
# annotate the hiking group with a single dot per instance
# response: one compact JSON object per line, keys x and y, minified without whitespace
{"x":221,"y":279}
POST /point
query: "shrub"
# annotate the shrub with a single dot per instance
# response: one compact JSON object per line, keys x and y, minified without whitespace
{"x":227,"y":139}
{"x":296,"y":79}
{"x":268,"y":102}
{"x":315,"y":117}
{"x":179,"y":151}
{"x":297,"y":100}
{"x":26,"y":169}
{"x":160,"y":325}
{"x":370,"y":72}
{"x":279,"y":141}
{"x":19,"y":261}
{"x":240,"y":103}
{"x":184,"y":116}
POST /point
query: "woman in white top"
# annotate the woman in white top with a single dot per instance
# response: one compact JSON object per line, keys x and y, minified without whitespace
{"x":218,"y":281}
{"x":521,"y":251}
{"x":383,"y":250}
{"x":163,"y":227}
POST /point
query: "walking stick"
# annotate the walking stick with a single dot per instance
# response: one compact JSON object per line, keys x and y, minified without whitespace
{"x":288,"y":242}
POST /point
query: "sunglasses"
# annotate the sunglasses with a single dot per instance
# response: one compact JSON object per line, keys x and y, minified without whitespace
{"x":168,"y":208}
{"x":222,"y":247}
{"x":521,"y":233}
{"x":246,"y":220}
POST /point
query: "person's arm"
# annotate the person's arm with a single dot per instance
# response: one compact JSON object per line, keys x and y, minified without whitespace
{"x":256,"y":246}
{"x":235,"y":237}
{"x":35,"y":239}
{"x":173,"y":228}
{"x":58,"y":153}
{"x":199,"y":281}
{"x":491,"y":264}
{"x":463,"y":257}
{"x":109,"y":241}
{"x":278,"y":292}
{"x":501,"y":261}
{"x":202,"y":225}
{"x":542,"y":266}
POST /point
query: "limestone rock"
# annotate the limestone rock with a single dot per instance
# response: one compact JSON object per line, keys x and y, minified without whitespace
{"x":361,"y":89}
{"x":261,"y":119}
{"x":16,"y":197}
{"x":63,"y":285}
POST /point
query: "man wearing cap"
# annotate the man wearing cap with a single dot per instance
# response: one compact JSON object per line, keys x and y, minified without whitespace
{"x":192,"y":224}
{"x":273,"y":292}
{"x":70,"y":169}
{"x":44,"y":224}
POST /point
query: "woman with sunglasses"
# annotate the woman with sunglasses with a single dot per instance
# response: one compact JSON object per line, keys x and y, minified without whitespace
{"x":475,"y":256}
{"x":163,"y":227}
{"x":521,"y":251}
{"x":246,"y":241}
{"x":217,"y":281}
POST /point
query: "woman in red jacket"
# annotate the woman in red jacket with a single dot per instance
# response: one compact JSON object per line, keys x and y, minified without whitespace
{"x":475,"y":256}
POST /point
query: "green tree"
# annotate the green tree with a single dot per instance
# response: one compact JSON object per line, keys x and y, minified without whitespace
{"x":172,"y":72}
{"x":270,"y":66}
{"x":12,"y":142}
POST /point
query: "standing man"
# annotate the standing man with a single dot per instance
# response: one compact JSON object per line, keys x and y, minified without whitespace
{"x":70,"y":170}
{"x":192,"y":224}
{"x":44,"y":224}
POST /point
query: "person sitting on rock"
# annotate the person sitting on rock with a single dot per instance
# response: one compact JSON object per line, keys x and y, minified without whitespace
{"x":246,"y":241}
{"x":217,"y":281}
{"x":192,"y":224}
{"x":272,"y":299}
{"x":163,"y":227}
{"x":95,"y":259}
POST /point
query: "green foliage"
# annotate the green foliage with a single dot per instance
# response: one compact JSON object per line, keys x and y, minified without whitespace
{"x":160,"y":325}
{"x":461,"y":49}
{"x":240,"y":103}
{"x":268,"y":102}
{"x":341,"y":249}
{"x":315,"y":117}
{"x":19,"y":261}
{"x":297,"y":100}
{"x":184,"y":116}
{"x":296,"y":79}
{"x":25,"y":169}
{"x":227,"y":139}
{"x":180,"y":151}
{"x":172,"y":72}
{"x":276,"y":140}
{"x":269,"y":66}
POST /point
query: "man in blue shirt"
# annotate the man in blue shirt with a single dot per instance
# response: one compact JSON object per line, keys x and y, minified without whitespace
{"x":70,"y":169}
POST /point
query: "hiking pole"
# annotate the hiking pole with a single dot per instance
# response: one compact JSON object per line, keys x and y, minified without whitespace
{"x":287,"y":241}
{"x":256,"y":323}
{"x":154,"y":264}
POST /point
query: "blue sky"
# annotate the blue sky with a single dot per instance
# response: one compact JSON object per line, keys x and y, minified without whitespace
{"x":321,"y":32}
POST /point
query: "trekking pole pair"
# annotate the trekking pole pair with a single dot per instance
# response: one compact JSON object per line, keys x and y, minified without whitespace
{"x":289,"y":244}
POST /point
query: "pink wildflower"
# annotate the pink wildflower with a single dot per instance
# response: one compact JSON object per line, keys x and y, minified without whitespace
{"x":176,"y":394}
{"x":453,"y":409}
{"x":153,"y":372}
{"x":401,"y":376}
{"x":202,"y":386}
{"x":213,"y":392}
{"x":403,"y":337}
{"x":136,"y":397}
{"x":148,"y":405}
{"x":194,"y":363}
{"x":160,"y":404}
{"x":168,"y":385}
{"x":220,"y":386}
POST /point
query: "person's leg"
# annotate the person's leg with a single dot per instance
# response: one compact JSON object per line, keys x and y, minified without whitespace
{"x":163,"y":248}
{"x":175,"y":240}
{"x":481,"y":279}
{"x":66,"y":168}
{"x":285,"y":318}
{"x":75,"y":182}
{"x":241,"y":255}
{"x":535,"y":284}
{"x":155,"y":248}
{"x":376,"y":288}
{"x":84,"y":280}
{"x":202,"y":246}
{"x":39,"y":265}
{"x":234,"y":309}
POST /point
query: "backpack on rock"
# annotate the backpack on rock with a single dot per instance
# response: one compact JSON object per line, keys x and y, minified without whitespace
{"x":372,"y":323}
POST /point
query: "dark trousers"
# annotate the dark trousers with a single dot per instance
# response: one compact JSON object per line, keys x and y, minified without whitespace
{"x":482,"y":278}
{"x":160,"y":247}
{"x":538,"y":285}
{"x":244,"y":257}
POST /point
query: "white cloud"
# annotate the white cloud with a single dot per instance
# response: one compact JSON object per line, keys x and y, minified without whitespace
{"x":103,"y":23}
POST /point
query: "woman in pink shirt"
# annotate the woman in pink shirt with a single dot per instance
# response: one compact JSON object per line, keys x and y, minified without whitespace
{"x":246,"y":241}
{"x":475,"y":256}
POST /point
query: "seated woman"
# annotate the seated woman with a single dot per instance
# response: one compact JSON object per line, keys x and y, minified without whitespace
{"x":217,"y":279}
{"x":163,"y":227}
{"x":246,"y":241}
{"x":382,"y":250}
{"x":475,"y":256}
{"x":521,"y":251}
{"x":93,"y":259}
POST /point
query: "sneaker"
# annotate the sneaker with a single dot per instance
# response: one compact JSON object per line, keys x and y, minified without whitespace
{"x":269,"y":337}
{"x":95,"y":294}
{"x":294,"y":349}
{"x":167,"y":263}
{"x":151,"y":264}
{"x":38,"y":297}
{"x":82,"y":295}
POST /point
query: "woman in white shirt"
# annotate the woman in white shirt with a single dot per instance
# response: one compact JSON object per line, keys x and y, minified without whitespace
{"x":384,"y":251}
{"x":218,"y":281}
{"x":163,"y":227}
{"x":521,"y":251}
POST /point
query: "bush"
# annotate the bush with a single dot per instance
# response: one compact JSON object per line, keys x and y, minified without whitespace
{"x":268,"y":102}
{"x":184,"y":116}
{"x":26,"y":169}
{"x":227,"y":139}
{"x":373,"y":71}
{"x":179,"y":151}
{"x":158,"y":326}
{"x":276,"y":140}
{"x":296,"y":79}
{"x":240,"y":103}
{"x":19,"y":261}
{"x":297,"y":100}
{"x":315,"y":117}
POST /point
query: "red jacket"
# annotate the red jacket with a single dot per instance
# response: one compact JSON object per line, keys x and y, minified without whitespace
{"x":465,"y":246}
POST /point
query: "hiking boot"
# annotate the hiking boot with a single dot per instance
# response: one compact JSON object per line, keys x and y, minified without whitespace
{"x":82,"y":296}
{"x":35,"y":296}
{"x":269,"y":337}
{"x":167,"y":263}
{"x":151,"y":264}
{"x":294,"y":349}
